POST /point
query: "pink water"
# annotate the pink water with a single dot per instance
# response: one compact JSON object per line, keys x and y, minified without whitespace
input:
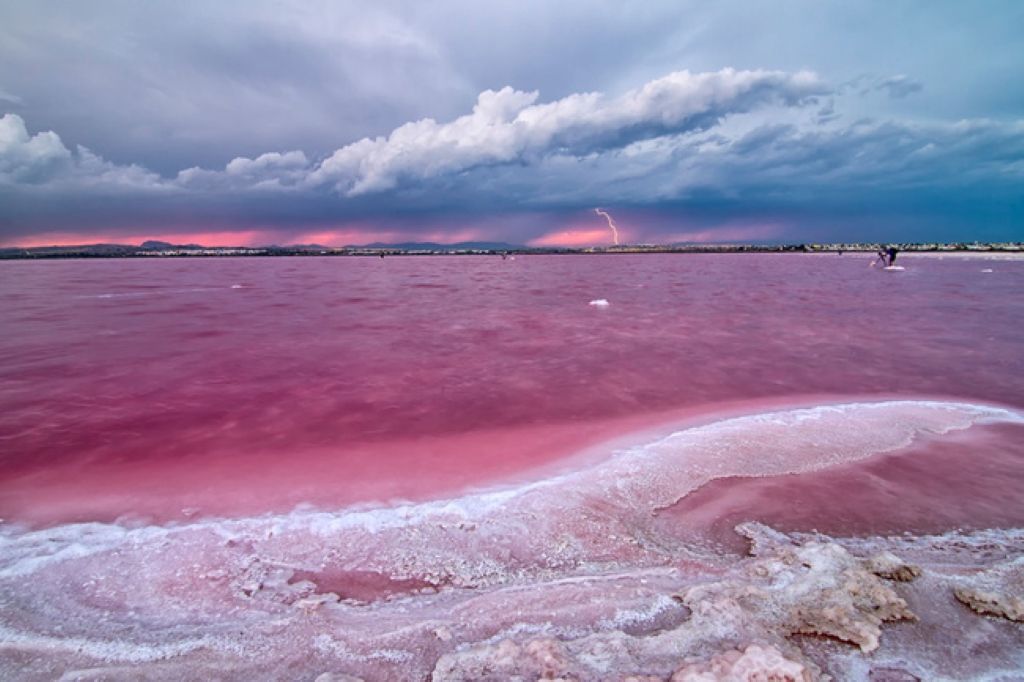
{"x":365,"y":380}
{"x":156,"y":392}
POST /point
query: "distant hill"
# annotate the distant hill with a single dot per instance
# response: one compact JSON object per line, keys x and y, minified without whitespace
{"x":86,"y":249}
{"x":299,"y":247}
{"x":153,"y":245}
{"x":434,"y":246}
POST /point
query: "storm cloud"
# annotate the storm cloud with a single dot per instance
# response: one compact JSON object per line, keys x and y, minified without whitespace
{"x":339,"y":121}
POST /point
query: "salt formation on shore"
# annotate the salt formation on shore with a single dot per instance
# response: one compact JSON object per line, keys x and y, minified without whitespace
{"x":786,"y":588}
{"x":748,"y":620}
{"x":817,"y":588}
{"x":998,"y":591}
{"x":753,"y":663}
{"x":568,"y":577}
{"x":889,"y":566}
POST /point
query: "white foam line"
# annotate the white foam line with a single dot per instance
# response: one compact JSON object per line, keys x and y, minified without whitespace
{"x":985,"y":413}
{"x":160,"y":292}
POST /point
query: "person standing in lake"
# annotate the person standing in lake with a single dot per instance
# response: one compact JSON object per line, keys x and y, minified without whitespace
{"x":891,"y":253}
{"x":887,"y":254}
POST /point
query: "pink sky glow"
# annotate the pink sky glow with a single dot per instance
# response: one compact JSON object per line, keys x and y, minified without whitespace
{"x":590,"y":230}
{"x":218,"y":238}
{"x":578,"y":237}
{"x":338,"y":236}
{"x":577,"y":232}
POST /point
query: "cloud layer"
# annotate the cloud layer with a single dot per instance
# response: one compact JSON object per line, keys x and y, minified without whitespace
{"x":507,"y":126}
{"x":510,"y":126}
{"x":337,"y":121}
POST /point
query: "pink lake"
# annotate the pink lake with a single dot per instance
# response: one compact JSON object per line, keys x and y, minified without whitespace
{"x":352,"y":419}
{"x":237,"y":385}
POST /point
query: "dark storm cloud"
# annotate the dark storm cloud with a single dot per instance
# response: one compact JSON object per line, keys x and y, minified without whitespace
{"x":171,"y":85}
{"x":132,"y":116}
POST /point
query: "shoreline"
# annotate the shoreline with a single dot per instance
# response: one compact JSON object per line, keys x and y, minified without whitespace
{"x":120,"y":251}
{"x":273,"y":484}
{"x":454,"y":589}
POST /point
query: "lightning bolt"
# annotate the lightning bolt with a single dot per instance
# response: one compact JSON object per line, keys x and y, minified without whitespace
{"x":611,"y":224}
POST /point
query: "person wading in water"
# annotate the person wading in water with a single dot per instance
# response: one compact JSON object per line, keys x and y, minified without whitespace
{"x":891,"y":252}
{"x":887,"y":255}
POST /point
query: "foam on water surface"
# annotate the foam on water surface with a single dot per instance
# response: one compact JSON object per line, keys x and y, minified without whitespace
{"x":562,"y":568}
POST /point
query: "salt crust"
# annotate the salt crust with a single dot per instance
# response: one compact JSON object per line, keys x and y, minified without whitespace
{"x":815,"y":588}
{"x":565,"y":571}
{"x":998,"y":591}
{"x":889,"y":566}
{"x":738,"y":625}
{"x":786,"y":588}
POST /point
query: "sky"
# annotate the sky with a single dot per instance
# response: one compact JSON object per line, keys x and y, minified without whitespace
{"x":280,"y":122}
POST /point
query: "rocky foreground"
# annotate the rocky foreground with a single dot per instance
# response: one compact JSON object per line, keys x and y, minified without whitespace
{"x":799,"y":608}
{"x":752,"y":623}
{"x":579,"y":576}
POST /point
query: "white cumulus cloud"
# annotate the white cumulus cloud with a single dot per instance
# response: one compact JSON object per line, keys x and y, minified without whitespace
{"x":272,"y":170}
{"x":29,"y":158}
{"x":43,"y":159}
{"x":509,"y":126}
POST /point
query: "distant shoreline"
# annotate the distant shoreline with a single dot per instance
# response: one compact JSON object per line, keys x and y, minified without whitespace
{"x":195,"y":251}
